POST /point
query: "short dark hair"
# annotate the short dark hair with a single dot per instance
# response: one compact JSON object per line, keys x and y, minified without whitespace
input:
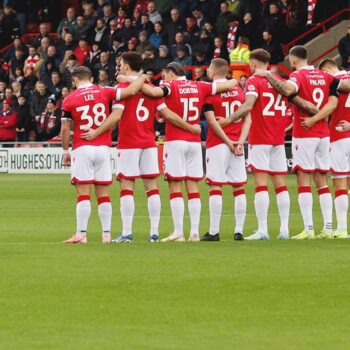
{"x":82,"y":73}
{"x":260,"y":55}
{"x":176,"y":68}
{"x":72,"y":58}
{"x":298,"y":52}
{"x":133,"y":59}
{"x":327,"y":62}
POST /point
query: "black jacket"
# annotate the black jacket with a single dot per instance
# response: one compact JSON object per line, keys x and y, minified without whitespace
{"x":344,"y":50}
{"x":24,"y":117}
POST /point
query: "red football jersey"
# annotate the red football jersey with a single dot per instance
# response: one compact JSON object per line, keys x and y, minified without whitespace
{"x":89,"y":106}
{"x":136,"y":127}
{"x":269,"y":114}
{"x":224,"y":105}
{"x":315,"y":86}
{"x":342,"y":112}
{"x":186,"y":98}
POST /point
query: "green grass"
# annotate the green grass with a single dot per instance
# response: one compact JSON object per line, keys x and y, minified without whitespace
{"x":226,"y":295}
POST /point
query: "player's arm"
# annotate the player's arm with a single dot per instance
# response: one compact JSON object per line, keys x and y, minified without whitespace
{"x":65,"y":137}
{"x":303,"y":105}
{"x":223,"y":86}
{"x":111,"y":121}
{"x":344,"y":86}
{"x":327,"y":110}
{"x":214,"y":125}
{"x":177,"y":121}
{"x":343,"y":126}
{"x":244,"y":134}
{"x":244,"y":109}
{"x":132,"y":89}
{"x":285,"y":88}
{"x":154,"y":91}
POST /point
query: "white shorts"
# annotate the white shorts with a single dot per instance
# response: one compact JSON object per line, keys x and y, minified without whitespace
{"x":225,"y":168}
{"x":183,"y":160}
{"x":91,"y":165}
{"x":340,"y":158}
{"x":311,"y":154}
{"x":134,"y":163}
{"x":269,"y":159}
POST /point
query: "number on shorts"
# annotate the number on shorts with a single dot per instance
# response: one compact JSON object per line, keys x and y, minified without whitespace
{"x":277,"y":105}
{"x":318,"y":96}
{"x":142,"y":112}
{"x":189,"y":106}
{"x":230,"y":108}
{"x":99,"y":115}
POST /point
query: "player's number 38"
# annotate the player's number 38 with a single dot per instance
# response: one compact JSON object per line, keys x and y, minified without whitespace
{"x":97,"y":118}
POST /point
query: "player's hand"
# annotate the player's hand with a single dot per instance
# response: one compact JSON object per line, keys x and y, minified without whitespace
{"x":262,"y":72}
{"x":239,"y":149}
{"x":89,"y":135}
{"x":67,"y":159}
{"x":307,"y":123}
{"x":343,"y":126}
{"x":196,"y":129}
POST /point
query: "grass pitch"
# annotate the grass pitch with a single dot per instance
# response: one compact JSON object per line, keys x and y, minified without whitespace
{"x":226,"y":295}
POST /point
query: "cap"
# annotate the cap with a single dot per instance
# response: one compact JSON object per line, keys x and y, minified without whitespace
{"x":7,"y":101}
{"x":176,"y":68}
{"x":52,"y":99}
{"x":133,"y":41}
{"x":181,"y":48}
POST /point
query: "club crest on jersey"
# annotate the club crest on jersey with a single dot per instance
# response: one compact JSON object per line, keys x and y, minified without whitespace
{"x":251,"y":87}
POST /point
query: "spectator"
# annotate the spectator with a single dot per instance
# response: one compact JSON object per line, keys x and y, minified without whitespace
{"x":18,"y":76}
{"x":16,"y":90}
{"x":146,"y":24}
{"x":154,"y":15}
{"x":8,"y":123}
{"x":162,"y":60}
{"x":64,"y":93}
{"x":199,"y":17}
{"x":199,"y":73}
{"x":52,"y":58}
{"x":113,"y":31}
{"x":89,"y":14}
{"x":9,"y":95}
{"x":144,"y":44}
{"x":49,"y":124}
{"x":56,"y":85}
{"x":42,"y":49}
{"x":183,"y":57}
{"x":132,"y":43}
{"x":82,"y":29}
{"x":192,"y":31}
{"x":344,"y":49}
{"x":107,"y":14}
{"x":174,"y":26}
{"x":67,"y":44}
{"x":221,"y":24}
{"x":67,"y":24}
{"x":17,"y":61}
{"x":241,"y":53}
{"x":204,"y":44}
{"x":24,"y":119}
{"x":100,"y":34}
{"x":150,"y":72}
{"x":72,"y":63}
{"x":103,"y":79}
{"x":136,"y":19}
{"x":149,"y":58}
{"x":251,"y":30}
{"x":32,"y":59}
{"x":156,"y":39}
{"x":128,"y":31}
{"x":82,"y":51}
{"x":100,"y":5}
{"x":210,"y":29}
{"x":273,"y":47}
{"x":64,"y":62}
{"x":274,"y":23}
{"x":220,"y":50}
{"x":118,"y":47}
{"x":179,"y":41}
{"x":121,"y":15}
{"x":242,"y":81}
{"x":43,"y":33}
{"x":17,"y":44}
{"x":200,"y":59}
{"x":21,"y":9}
{"x":29,"y":81}
{"x":104,"y":63}
{"x":9,"y":25}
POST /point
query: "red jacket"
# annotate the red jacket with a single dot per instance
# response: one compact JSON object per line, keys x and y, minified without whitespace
{"x":81,"y":54}
{"x":8,"y":124}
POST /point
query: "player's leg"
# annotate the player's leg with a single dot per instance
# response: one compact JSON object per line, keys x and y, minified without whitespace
{"x":322,"y":163}
{"x":283,"y":204}
{"x":149,"y":170}
{"x":341,"y":203}
{"x":194,"y":170}
{"x":103,"y":178}
{"x":104,"y":211}
{"x":175,"y":172}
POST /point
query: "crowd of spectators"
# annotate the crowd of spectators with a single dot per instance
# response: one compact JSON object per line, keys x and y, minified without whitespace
{"x":37,"y":77}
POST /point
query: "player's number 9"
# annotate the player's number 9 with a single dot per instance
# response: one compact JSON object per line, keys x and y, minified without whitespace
{"x":318,"y":96}
{"x":99,"y":115}
{"x":189,"y":106}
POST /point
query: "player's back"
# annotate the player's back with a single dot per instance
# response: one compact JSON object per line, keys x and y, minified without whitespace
{"x":89,"y":106}
{"x":314,"y":86}
{"x":342,"y":111}
{"x":186,"y":98}
{"x":225,"y":104}
{"x":136,"y":127}
{"x":268,"y":114}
